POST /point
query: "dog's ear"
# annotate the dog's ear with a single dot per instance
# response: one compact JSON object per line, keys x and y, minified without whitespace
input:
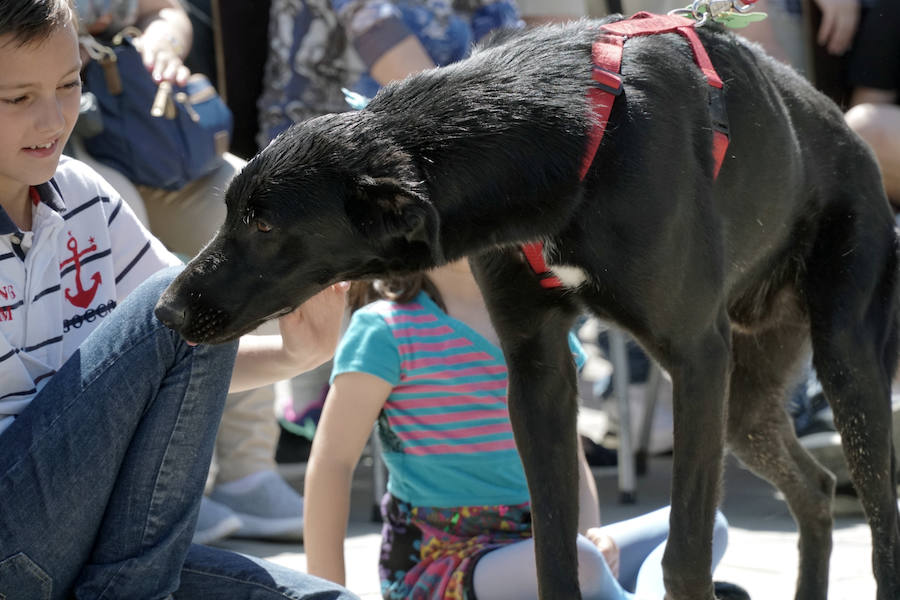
{"x":386,"y":208}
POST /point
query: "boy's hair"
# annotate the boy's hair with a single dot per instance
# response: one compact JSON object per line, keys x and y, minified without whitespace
{"x":33,"y":21}
{"x":396,"y":289}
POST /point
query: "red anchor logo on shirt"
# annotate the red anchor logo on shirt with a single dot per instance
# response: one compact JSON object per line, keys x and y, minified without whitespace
{"x":82,"y":297}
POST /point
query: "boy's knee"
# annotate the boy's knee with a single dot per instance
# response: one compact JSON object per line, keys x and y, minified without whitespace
{"x":142,"y":300}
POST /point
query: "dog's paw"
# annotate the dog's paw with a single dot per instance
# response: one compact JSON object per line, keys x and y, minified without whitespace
{"x":729,"y":591}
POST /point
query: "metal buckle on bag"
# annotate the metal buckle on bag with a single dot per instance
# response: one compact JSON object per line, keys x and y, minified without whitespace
{"x":106,"y":58}
{"x":163,"y":103}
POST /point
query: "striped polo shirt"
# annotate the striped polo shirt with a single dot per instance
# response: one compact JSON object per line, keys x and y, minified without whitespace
{"x":86,"y":252}
{"x":445,"y":430}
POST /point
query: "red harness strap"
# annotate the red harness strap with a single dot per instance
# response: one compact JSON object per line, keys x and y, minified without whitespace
{"x":606,"y":54}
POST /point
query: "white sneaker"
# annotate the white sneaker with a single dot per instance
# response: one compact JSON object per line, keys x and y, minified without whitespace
{"x":825,"y":446}
{"x":214,"y":522}
{"x":267,"y":506}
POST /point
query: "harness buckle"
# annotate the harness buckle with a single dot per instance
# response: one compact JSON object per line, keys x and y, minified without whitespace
{"x":607,"y":81}
{"x":717,"y":112}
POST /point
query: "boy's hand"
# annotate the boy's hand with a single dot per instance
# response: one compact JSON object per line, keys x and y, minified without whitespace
{"x":313,"y":329}
{"x":607,"y":547}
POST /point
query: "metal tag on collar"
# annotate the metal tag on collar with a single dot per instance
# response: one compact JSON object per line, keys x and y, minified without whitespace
{"x":731,"y":13}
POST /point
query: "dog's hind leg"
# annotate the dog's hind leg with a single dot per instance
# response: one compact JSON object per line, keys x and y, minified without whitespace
{"x":852,"y":296}
{"x":761,"y":435}
{"x":533,"y":324}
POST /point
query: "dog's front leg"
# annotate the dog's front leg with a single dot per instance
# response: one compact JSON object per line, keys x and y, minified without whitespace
{"x":533,"y":325}
{"x":700,"y":375}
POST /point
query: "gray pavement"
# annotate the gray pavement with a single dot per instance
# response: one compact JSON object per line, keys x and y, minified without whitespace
{"x":761,"y":555}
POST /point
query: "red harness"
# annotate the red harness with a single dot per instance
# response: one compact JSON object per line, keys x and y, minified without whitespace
{"x":607,"y":58}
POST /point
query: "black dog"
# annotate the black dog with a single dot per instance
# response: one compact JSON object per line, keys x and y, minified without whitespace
{"x":725,"y":281}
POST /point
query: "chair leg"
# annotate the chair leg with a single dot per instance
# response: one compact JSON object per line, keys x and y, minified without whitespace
{"x":651,"y":397}
{"x":621,"y":378}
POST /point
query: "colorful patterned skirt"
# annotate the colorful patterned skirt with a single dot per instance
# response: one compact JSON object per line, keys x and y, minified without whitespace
{"x":430,"y":553}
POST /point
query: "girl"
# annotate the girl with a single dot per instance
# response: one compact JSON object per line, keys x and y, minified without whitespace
{"x":424,"y":365}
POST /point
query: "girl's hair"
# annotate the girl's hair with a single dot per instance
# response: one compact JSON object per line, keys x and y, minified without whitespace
{"x":33,"y":21}
{"x":399,"y":289}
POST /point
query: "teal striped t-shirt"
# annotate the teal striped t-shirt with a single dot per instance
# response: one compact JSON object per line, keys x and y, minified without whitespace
{"x":445,"y":429}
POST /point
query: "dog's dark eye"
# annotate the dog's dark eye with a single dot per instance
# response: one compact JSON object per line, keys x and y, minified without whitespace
{"x":263,"y":226}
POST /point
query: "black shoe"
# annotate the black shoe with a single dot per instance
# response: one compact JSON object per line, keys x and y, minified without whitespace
{"x":729,"y":591}
{"x":597,"y":455}
{"x":292,"y":448}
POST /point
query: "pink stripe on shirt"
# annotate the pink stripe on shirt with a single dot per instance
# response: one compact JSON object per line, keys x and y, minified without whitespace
{"x":461,"y":388}
{"x":409,"y":318}
{"x":467,"y":449}
{"x":452,"y":359}
{"x":403,"y":404}
{"x":451,"y":417}
{"x":456,"y":434}
{"x":468,"y":372}
{"x":433,"y":346}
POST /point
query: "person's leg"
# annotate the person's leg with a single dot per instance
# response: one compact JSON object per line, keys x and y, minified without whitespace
{"x":102,"y":473}
{"x":122,"y":184}
{"x":648,"y":581}
{"x":636,"y":538}
{"x":186,"y":219}
{"x":247,"y":481}
{"x":509,"y":573}
{"x":247,"y":435}
{"x":213,"y":574}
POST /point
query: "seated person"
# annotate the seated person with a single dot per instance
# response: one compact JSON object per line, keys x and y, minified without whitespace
{"x":107,"y":417}
{"x":424,"y":366}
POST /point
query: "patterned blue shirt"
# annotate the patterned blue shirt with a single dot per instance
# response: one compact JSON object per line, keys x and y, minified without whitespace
{"x":318,"y":47}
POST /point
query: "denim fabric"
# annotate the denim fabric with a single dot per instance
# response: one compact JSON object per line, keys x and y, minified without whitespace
{"x":101,"y":475}
{"x":215,"y":574}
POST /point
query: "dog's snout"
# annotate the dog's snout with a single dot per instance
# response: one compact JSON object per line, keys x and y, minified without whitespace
{"x":171,"y":312}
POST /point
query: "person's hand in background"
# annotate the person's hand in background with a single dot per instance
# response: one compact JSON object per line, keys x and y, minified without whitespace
{"x":840,"y":18}
{"x":166,"y":39}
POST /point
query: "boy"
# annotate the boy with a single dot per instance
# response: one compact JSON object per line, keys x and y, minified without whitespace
{"x":107,"y":418}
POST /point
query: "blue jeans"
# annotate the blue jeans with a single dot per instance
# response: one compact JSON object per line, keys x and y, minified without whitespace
{"x":101,"y":475}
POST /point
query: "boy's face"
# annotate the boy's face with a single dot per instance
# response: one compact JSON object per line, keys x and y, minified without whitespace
{"x":40,"y":91}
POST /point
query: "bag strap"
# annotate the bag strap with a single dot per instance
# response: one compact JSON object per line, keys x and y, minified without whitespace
{"x":104,"y":56}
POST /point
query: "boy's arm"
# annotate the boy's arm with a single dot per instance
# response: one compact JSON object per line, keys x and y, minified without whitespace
{"x":351,"y":408}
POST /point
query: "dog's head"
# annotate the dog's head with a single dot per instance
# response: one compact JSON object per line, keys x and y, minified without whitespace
{"x":329,"y":200}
